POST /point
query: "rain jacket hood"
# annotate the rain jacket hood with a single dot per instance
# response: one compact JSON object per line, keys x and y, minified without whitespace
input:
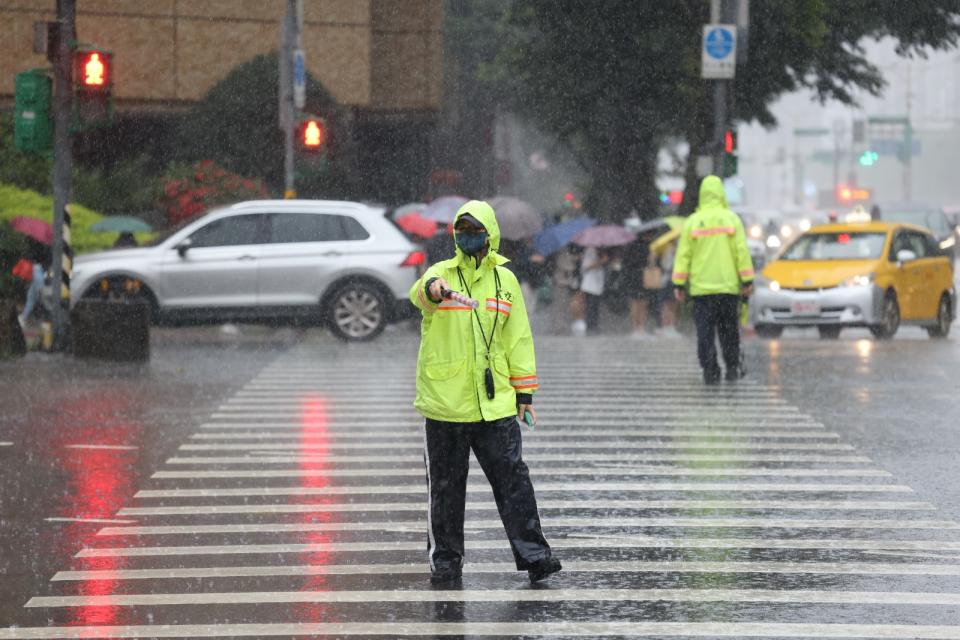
{"x":484,"y":214}
{"x":712,"y":256}
{"x":712,"y":194}
{"x":458,"y":343}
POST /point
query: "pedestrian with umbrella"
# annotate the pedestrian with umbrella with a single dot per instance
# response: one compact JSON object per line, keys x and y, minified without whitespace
{"x":33,"y":268}
{"x":125,"y":226}
{"x":598,"y":242}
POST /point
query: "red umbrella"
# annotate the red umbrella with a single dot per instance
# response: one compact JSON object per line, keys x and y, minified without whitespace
{"x":37,"y":229}
{"x":604,"y":235}
{"x":418,"y":225}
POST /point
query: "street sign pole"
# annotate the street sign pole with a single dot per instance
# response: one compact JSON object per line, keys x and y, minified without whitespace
{"x":62,"y":161}
{"x":719,"y":63}
{"x":288,"y":38}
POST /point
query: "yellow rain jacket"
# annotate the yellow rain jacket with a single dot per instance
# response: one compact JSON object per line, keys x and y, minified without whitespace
{"x":453,"y":337}
{"x":712,"y":255}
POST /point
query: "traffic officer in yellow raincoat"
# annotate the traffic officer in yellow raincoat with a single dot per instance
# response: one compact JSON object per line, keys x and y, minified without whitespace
{"x":476,"y":375}
{"x":712,"y":259}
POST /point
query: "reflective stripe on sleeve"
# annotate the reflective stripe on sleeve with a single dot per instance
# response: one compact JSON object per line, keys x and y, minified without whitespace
{"x":746,"y":273}
{"x":524,"y":382}
{"x":499,"y":305}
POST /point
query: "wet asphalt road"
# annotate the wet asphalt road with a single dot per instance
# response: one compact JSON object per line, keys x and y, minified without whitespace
{"x":275,"y":478}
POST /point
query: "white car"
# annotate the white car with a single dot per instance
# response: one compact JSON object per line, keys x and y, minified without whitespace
{"x":342,"y":263}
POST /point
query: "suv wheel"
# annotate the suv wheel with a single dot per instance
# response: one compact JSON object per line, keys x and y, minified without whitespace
{"x":944,"y":318}
{"x":357,"y":312}
{"x":889,"y":319}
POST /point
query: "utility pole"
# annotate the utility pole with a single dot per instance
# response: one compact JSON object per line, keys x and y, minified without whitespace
{"x":289,"y":42}
{"x":908,"y":139}
{"x":63,"y":159}
{"x":719,"y":100}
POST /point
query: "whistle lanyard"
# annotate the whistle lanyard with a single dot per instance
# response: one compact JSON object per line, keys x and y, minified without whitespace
{"x":486,"y":343}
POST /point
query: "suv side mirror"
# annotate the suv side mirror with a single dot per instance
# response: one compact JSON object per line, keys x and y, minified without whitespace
{"x":183,"y":247}
{"x":905,"y":255}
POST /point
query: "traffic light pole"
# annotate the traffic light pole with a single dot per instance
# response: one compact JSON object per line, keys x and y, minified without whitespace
{"x":720,"y":11}
{"x":289,"y":40}
{"x":63,"y":161}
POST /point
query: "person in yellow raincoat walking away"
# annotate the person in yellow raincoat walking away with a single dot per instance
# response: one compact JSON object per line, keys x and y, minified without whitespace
{"x":476,"y":375}
{"x":713,"y":261}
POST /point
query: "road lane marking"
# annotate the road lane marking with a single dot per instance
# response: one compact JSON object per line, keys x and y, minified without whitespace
{"x":791,"y":596}
{"x":6,"y":444}
{"x":560,"y":427}
{"x":604,"y":522}
{"x":554,"y":471}
{"x":90,"y":520}
{"x":569,"y":566}
{"x":633,"y":541}
{"x":546,"y":504}
{"x":634,"y":487}
{"x":109,"y":447}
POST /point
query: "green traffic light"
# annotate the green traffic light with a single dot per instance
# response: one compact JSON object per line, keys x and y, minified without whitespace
{"x":869,"y":158}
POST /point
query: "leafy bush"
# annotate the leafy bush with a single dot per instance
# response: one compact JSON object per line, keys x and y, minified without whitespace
{"x":12,"y":248}
{"x":25,"y":170}
{"x":190,"y":190}
{"x":128,"y":188}
{"x":21,"y":202}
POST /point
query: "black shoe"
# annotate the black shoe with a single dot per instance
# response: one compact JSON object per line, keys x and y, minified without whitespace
{"x":448,"y":576}
{"x":711,"y":377}
{"x":543,"y":568}
{"x":733,"y":374}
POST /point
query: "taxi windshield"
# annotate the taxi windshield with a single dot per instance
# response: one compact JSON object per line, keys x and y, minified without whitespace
{"x":836,"y":246}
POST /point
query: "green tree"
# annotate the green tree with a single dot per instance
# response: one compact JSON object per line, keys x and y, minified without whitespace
{"x":236,"y":125}
{"x":21,"y":169}
{"x":614,"y":80}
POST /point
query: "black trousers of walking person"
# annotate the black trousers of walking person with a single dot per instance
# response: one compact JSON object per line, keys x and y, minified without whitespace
{"x":497,"y":447}
{"x":718,"y":315}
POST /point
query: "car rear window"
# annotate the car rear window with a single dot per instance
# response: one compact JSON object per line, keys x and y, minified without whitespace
{"x":314,"y":227}
{"x":836,"y":246}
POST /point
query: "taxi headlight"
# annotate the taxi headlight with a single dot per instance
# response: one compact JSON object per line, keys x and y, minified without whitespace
{"x":804,"y":225}
{"x":949,"y":242}
{"x":774,"y":285}
{"x":863,"y":280}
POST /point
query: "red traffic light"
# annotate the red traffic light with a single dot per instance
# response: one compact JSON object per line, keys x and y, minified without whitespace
{"x":92,"y":69}
{"x":729,"y":141}
{"x":312,"y":134}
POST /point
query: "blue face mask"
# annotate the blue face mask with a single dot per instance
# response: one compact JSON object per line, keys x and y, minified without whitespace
{"x":472,"y":243}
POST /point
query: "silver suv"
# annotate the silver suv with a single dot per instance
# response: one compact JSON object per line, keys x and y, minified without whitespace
{"x":342,"y":263}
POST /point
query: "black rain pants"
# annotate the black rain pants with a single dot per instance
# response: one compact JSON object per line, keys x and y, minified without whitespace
{"x":715,"y":315}
{"x":497,"y":446}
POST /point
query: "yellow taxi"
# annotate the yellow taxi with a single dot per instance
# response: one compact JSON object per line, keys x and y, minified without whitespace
{"x":857,"y":274}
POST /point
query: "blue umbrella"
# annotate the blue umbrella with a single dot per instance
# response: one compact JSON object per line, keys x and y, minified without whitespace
{"x":554,"y":238}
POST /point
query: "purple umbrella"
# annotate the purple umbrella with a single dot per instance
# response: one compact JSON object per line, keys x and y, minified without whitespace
{"x":443,"y":209}
{"x":604,"y":235}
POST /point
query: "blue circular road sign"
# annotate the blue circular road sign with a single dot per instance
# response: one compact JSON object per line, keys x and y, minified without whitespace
{"x":719,"y":43}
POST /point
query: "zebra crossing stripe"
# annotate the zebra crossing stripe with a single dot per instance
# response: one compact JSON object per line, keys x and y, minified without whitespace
{"x":791,"y":596}
{"x":554,"y":471}
{"x":622,"y":487}
{"x":307,"y":434}
{"x":626,"y":459}
{"x":634,"y":541}
{"x":569,"y":566}
{"x":538,"y":629}
{"x":642,"y":523}
{"x":531,"y":444}
{"x":545,"y":505}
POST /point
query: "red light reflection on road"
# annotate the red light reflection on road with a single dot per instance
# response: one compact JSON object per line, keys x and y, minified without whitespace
{"x":98,"y":483}
{"x":314,"y":434}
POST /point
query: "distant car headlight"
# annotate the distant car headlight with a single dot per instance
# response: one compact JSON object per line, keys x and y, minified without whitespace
{"x":949,"y":242}
{"x":786,"y":231}
{"x":756,"y":231}
{"x":863,"y":280}
{"x":773,"y":242}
